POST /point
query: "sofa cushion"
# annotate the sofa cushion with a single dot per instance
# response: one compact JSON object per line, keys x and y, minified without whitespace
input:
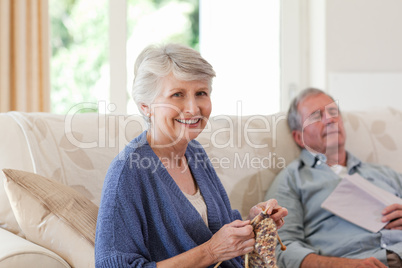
{"x":18,"y":252}
{"x":76,"y":149}
{"x":53,"y":215}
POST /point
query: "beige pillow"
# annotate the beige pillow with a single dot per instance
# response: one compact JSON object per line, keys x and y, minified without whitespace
{"x":54,"y":216}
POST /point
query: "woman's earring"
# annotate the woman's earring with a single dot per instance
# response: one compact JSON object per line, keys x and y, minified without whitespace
{"x":148,"y":115}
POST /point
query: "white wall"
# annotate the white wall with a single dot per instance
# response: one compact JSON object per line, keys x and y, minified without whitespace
{"x":349,"y":43}
{"x":364,"y":52}
{"x":364,"y":35}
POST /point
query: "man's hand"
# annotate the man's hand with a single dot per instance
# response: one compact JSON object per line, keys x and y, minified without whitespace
{"x":369,"y":262}
{"x":393,"y":214}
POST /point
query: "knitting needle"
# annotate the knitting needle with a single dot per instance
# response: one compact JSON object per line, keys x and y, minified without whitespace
{"x":283,"y":247}
{"x":217,"y":265}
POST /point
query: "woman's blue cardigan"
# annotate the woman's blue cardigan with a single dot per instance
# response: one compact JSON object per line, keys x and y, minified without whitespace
{"x":144,"y":217}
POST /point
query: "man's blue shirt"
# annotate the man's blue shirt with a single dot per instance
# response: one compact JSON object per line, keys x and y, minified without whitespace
{"x":303,"y":186}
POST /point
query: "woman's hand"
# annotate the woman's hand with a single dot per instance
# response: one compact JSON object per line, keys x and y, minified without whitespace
{"x":232,"y":240}
{"x":276,"y":212}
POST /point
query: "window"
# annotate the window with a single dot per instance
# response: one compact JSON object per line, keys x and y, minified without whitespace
{"x":80,"y":61}
{"x":239,"y":38}
{"x":160,"y":21}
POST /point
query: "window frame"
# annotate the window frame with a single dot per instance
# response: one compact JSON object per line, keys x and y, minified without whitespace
{"x":297,"y":35}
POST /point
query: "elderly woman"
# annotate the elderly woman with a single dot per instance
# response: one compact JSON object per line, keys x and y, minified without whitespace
{"x":162,"y":203}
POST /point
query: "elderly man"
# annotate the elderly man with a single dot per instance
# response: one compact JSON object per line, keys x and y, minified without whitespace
{"x":314,"y":236}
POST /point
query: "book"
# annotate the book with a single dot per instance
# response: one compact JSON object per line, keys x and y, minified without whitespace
{"x":358,"y":201}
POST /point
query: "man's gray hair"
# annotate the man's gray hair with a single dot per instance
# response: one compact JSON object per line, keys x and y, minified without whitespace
{"x":156,"y":62}
{"x":294,"y":118}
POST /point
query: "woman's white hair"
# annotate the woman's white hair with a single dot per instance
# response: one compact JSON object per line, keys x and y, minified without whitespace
{"x":156,"y":62}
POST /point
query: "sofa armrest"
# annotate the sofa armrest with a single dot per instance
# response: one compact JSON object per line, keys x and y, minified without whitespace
{"x":14,"y":153}
{"x":18,"y":252}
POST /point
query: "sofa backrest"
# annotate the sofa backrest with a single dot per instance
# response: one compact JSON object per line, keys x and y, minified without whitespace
{"x":375,"y":136}
{"x":247,"y":152}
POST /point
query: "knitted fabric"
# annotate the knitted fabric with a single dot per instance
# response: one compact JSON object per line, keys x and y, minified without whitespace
{"x":265,"y":243}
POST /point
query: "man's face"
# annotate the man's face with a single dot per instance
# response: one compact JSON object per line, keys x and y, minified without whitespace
{"x":322,"y":125}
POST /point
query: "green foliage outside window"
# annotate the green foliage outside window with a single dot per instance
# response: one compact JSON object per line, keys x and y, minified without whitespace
{"x":80,"y":43}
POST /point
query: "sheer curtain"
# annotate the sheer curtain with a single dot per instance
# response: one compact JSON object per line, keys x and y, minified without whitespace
{"x":24,"y":56}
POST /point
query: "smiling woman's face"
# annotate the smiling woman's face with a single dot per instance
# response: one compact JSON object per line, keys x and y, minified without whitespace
{"x":181,"y":110}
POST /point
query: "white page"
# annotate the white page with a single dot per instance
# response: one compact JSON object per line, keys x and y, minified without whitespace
{"x":380,"y":194}
{"x":360,"y":202}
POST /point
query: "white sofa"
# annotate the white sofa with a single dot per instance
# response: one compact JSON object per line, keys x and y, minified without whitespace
{"x":76,"y":150}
